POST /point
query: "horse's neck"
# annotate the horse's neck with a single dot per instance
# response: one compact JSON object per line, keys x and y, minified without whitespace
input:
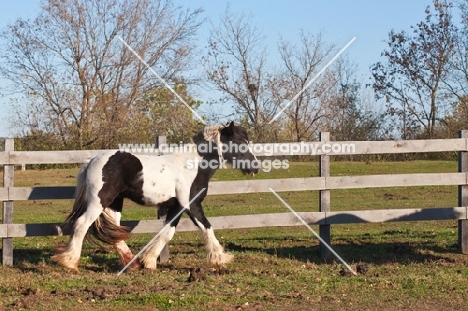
{"x":208,"y":172}
{"x":205,"y":174}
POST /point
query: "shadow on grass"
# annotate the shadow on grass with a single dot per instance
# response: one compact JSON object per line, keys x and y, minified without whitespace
{"x":96,"y":260}
{"x":23,"y":257}
{"x":105,"y":260}
{"x":381,"y":253}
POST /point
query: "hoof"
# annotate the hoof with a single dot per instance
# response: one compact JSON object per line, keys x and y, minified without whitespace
{"x":62,"y":257}
{"x":150,"y":263}
{"x":65,"y":261}
{"x":136,"y":265}
{"x":220,"y":259}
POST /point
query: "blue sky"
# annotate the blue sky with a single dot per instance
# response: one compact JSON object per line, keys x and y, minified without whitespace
{"x":341,"y":20}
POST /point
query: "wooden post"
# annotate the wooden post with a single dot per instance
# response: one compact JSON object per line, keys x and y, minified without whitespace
{"x":324,"y":230}
{"x":463,"y":197}
{"x":8,"y":181}
{"x":162,"y":211}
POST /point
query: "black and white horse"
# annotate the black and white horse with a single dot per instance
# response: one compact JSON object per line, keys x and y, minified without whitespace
{"x":172,"y":180}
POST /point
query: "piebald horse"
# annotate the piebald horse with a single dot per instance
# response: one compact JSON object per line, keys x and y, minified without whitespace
{"x":174,"y":181}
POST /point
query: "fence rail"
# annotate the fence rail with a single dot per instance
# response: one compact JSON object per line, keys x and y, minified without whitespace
{"x":277,"y":149}
{"x":324,"y":184}
{"x":280,"y":185}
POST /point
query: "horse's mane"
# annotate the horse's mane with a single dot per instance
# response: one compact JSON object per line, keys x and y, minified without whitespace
{"x":214,"y":132}
{"x":241,"y":132}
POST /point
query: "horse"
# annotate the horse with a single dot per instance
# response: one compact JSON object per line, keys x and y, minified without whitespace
{"x":175,"y":181}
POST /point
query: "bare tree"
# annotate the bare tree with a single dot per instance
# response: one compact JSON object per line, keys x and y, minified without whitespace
{"x":351,"y":112}
{"x":415,"y":65}
{"x":236,"y":66}
{"x":71,"y":63}
{"x":457,"y":82}
{"x":299,"y":64}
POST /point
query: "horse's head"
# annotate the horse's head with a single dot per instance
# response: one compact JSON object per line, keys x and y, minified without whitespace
{"x":230,"y":143}
{"x":236,"y":150}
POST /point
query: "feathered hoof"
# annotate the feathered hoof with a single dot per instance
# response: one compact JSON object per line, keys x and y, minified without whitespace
{"x":62,"y":257}
{"x":149,"y":263}
{"x":220,"y":259}
{"x":136,"y":265}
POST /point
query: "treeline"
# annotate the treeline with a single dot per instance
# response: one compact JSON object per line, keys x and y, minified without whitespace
{"x":78,"y":68}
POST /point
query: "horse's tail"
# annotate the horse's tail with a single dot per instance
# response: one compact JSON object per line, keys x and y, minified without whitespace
{"x":80,"y":204}
{"x":104,"y":228}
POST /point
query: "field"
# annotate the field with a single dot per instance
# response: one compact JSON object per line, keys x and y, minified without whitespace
{"x":403,"y":265}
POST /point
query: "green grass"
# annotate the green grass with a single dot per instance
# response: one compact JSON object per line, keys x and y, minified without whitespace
{"x":410,"y":265}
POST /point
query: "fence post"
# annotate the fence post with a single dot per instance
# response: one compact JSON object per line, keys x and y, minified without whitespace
{"x":8,"y":181}
{"x":162,"y":210}
{"x":324,"y":200}
{"x":463,"y":197}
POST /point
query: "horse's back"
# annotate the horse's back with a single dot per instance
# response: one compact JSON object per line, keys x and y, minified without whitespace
{"x":145,"y":179}
{"x":167,"y":176}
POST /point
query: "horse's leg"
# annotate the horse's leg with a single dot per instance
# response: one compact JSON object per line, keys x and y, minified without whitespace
{"x":151,"y":254}
{"x":125,"y":254}
{"x":215,"y":251}
{"x":68,"y":255}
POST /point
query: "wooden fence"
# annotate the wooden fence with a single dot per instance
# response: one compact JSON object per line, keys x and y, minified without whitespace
{"x":324,"y":217}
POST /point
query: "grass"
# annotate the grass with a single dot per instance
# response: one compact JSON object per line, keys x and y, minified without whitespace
{"x":407,"y":265}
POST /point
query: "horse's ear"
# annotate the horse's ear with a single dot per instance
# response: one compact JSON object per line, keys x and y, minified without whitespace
{"x":231,"y":127}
